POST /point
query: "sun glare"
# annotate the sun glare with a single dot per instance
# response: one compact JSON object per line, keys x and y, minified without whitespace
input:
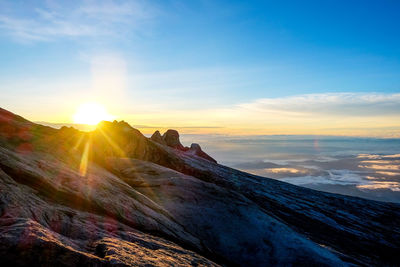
{"x":91,"y":114}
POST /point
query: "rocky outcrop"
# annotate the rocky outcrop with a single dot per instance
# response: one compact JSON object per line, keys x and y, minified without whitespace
{"x":195,"y":149}
{"x":171,"y":139}
{"x":115,"y":197}
{"x":156,"y":137}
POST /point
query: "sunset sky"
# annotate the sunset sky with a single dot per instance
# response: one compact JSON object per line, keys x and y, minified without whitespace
{"x":229,"y":67}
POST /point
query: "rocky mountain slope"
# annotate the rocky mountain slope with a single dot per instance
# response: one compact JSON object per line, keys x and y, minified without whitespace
{"x":115,"y":197}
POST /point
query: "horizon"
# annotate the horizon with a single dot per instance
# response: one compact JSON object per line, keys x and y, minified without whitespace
{"x":254,"y":68}
{"x":148,"y":130}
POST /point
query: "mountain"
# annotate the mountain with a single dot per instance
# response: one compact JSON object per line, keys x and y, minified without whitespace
{"x":113,"y":197}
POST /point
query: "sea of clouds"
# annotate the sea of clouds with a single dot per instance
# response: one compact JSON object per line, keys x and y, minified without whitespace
{"x":364,"y":167}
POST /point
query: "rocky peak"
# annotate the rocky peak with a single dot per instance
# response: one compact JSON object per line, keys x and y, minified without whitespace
{"x":171,"y":139}
{"x":118,"y":128}
{"x":156,"y":137}
{"x":195,"y":149}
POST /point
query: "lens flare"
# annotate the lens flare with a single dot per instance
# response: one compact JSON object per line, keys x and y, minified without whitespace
{"x":85,"y":160}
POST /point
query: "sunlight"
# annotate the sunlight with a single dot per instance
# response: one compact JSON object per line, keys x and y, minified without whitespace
{"x":84,"y":160}
{"x":91,"y":114}
{"x":284,"y":170}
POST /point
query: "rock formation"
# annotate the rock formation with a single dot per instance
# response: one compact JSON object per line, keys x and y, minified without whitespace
{"x":156,"y":137}
{"x":171,"y":139}
{"x":195,"y":149}
{"x":115,"y":197}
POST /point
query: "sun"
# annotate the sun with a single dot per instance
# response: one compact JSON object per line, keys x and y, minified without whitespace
{"x":91,"y":113}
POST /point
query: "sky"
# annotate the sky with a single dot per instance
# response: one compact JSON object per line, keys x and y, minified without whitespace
{"x":217,"y":67}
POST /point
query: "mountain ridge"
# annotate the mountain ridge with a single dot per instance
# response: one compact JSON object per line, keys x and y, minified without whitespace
{"x":174,"y":198}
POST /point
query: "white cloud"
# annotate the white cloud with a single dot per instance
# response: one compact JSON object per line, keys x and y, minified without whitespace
{"x":342,"y":104}
{"x":75,"y":19}
{"x":349,"y":114}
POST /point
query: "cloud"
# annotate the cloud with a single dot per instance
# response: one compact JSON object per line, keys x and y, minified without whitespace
{"x":394,"y":186}
{"x":355,"y":114}
{"x":349,"y":114}
{"x":342,"y":104}
{"x":335,"y":177}
{"x":74,"y":19}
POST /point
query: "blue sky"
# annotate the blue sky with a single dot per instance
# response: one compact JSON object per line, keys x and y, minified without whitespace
{"x":153,"y":61}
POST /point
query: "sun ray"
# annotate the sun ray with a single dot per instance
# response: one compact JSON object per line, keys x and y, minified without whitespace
{"x":85,"y":159}
{"x":78,"y":142}
{"x":114,"y":145}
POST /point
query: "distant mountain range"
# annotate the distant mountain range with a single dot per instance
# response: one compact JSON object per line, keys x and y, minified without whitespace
{"x":113,"y":197}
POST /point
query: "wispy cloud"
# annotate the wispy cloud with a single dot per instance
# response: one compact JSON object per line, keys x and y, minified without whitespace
{"x":346,"y":104}
{"x":355,"y":114}
{"x":75,"y":19}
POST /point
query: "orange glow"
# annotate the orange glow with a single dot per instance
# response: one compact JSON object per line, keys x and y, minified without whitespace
{"x":380,"y":167}
{"x":284,"y":170}
{"x":377,"y":161}
{"x":394,"y":186}
{"x":368,"y":156}
{"x":389,"y":173}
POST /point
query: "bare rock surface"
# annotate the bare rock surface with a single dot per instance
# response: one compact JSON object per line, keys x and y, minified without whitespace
{"x":114,"y":197}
